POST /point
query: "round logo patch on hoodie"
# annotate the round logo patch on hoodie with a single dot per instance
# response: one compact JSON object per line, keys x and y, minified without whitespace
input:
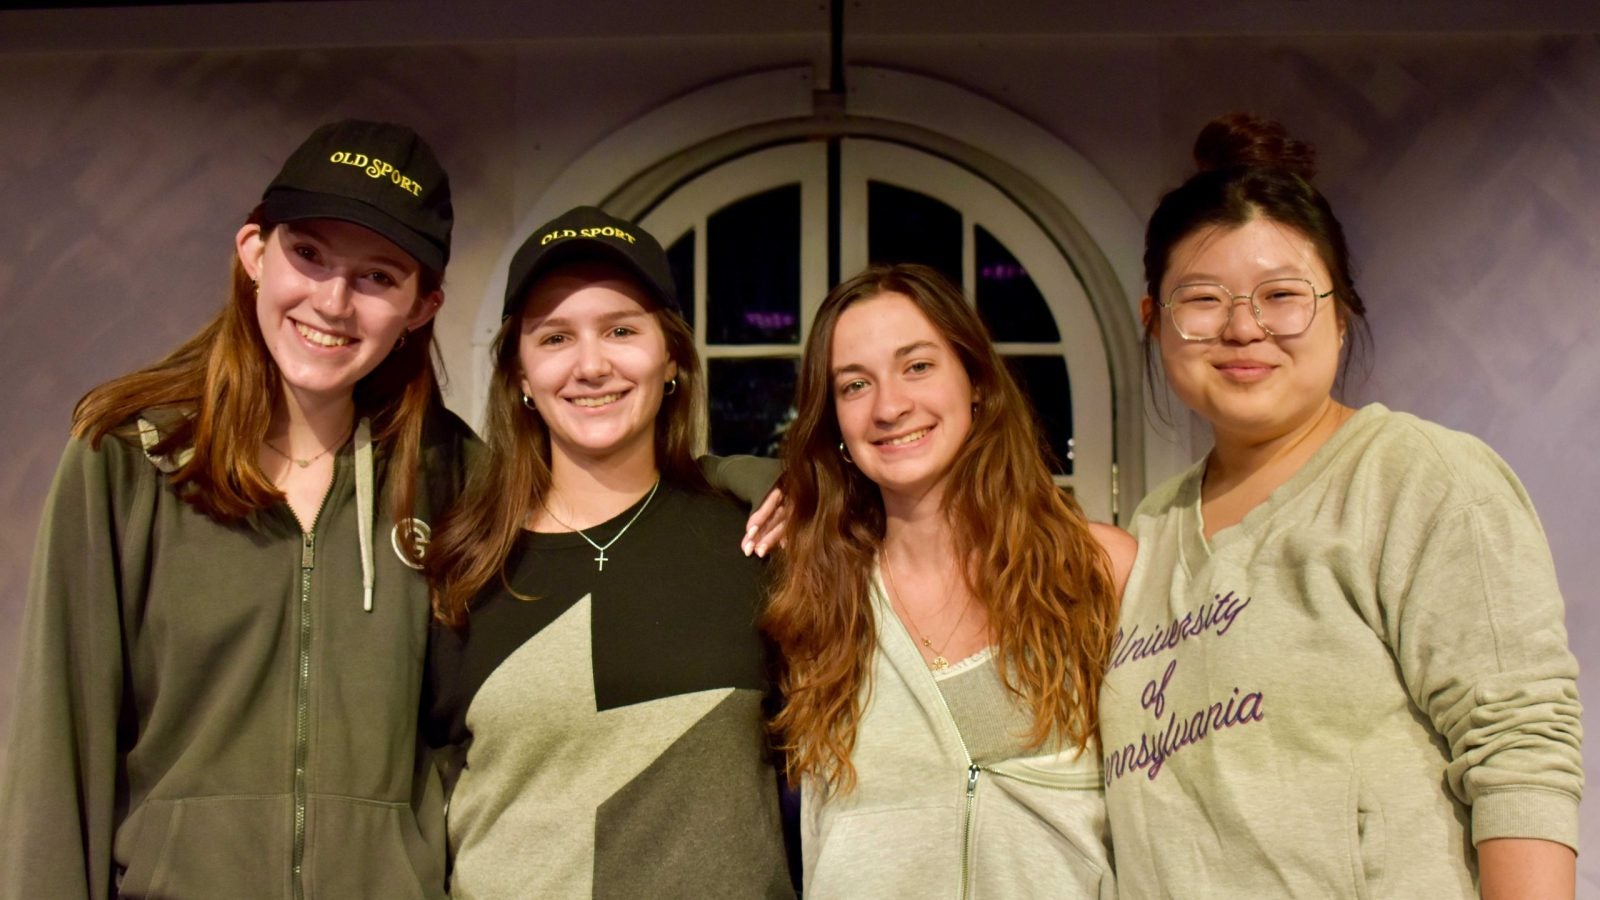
{"x":417,"y":533}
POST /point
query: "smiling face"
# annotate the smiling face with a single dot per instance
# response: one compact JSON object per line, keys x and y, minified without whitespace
{"x":595,"y":364}
{"x":902,"y":398}
{"x":332,"y":300}
{"x":1250,"y":385}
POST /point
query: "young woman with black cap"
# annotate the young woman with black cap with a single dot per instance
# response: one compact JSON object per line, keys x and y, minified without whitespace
{"x":598,"y":666}
{"x":222,"y":648}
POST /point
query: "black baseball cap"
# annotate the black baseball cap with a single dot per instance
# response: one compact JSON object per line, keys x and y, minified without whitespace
{"x":587,"y":232}
{"x":378,"y":175}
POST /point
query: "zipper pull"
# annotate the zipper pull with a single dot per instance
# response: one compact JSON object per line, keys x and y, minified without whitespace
{"x":972,"y":780}
{"x":307,"y":550}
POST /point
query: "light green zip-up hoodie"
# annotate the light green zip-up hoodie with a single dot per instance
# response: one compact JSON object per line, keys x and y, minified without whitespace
{"x":209,"y":710}
{"x":1343,"y":693}
{"x":923,"y":821}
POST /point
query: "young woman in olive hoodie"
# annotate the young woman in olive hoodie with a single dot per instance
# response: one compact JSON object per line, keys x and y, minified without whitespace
{"x":221,"y":654}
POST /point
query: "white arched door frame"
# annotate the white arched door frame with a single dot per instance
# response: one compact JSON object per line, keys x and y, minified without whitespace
{"x":643,"y":160}
{"x":687,"y":206}
{"x":864,"y":160}
{"x":1089,"y":370}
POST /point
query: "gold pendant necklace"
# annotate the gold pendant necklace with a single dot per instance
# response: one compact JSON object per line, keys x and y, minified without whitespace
{"x":939,"y":663}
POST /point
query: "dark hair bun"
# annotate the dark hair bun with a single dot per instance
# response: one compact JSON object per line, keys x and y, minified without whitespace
{"x":1245,"y":141}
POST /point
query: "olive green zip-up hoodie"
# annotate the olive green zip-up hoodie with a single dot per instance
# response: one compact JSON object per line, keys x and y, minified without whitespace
{"x":210,"y":710}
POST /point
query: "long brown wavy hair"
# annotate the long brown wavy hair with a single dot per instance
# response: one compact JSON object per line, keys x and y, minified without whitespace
{"x":476,"y":534}
{"x":1043,"y":579}
{"x":222,"y":387}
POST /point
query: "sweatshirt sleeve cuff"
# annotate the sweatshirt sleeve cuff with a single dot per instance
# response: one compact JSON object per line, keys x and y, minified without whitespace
{"x":1545,"y":815}
{"x":747,"y":477}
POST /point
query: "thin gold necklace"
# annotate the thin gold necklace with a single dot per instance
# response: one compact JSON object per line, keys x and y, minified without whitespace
{"x":303,"y":463}
{"x":601,"y":559}
{"x":939,"y":662}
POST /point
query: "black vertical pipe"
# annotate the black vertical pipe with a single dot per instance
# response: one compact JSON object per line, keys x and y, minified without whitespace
{"x":835,"y":87}
{"x":836,"y":47}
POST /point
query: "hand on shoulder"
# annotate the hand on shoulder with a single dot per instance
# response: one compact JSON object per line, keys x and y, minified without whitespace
{"x":1120,"y":548}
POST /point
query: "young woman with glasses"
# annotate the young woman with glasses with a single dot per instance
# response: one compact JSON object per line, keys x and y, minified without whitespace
{"x":1341,"y":667}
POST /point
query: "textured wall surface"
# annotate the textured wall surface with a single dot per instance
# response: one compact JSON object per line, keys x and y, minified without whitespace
{"x":1463,"y":166}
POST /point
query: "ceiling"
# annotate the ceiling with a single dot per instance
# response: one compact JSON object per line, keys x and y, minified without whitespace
{"x":88,"y":26}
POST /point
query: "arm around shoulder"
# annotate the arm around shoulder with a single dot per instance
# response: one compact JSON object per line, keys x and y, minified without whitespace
{"x":747,"y":477}
{"x":752,"y":479}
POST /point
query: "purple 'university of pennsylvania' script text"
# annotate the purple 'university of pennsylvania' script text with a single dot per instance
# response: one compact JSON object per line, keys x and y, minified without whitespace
{"x":1213,"y":619}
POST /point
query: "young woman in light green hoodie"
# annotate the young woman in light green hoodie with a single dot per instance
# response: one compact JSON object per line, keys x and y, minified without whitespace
{"x":1341,"y":668}
{"x":944,"y":613}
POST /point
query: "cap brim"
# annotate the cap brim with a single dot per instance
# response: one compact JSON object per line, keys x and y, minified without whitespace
{"x":283,"y":205}
{"x":584,"y":249}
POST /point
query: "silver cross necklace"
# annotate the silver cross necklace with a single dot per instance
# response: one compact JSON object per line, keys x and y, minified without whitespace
{"x":601,"y":559}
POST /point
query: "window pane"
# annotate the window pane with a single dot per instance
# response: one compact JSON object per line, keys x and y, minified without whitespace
{"x":1044,"y":380}
{"x":1007,"y":298}
{"x":753,"y":270}
{"x":681,"y":257}
{"x":752,"y":403}
{"x":907,"y":227}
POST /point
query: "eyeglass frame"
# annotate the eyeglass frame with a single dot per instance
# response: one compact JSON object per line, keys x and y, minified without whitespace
{"x":1255,"y":309}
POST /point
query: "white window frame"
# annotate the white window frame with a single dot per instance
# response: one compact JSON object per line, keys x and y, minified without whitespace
{"x":1083,"y":213}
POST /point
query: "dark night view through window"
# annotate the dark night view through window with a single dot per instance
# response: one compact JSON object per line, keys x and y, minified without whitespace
{"x":753,"y":302}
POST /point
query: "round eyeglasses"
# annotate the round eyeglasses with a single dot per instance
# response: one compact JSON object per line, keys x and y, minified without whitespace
{"x":1283,"y":307}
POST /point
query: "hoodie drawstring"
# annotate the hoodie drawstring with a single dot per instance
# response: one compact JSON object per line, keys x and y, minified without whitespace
{"x":364,"y":522}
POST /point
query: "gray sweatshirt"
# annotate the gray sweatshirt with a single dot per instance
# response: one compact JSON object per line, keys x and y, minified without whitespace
{"x":1343,"y":693}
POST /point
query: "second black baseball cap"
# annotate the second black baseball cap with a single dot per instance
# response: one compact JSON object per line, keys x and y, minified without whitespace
{"x":587,"y":232}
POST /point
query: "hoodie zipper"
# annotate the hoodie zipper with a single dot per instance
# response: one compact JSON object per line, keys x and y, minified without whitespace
{"x":302,"y":695}
{"x":966,"y":827}
{"x":972,"y":768}
{"x":302,"y":712}
{"x":972,"y":794}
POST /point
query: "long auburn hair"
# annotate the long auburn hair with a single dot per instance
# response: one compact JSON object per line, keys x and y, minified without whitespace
{"x":1043,"y":579}
{"x":475,"y":536}
{"x":222,"y":385}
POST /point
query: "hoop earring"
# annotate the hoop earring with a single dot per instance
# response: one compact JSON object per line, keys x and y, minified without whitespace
{"x":845,"y":452}
{"x":671,"y":388}
{"x":527,"y":403}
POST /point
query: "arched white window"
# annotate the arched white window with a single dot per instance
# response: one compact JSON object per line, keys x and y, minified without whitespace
{"x":751,"y":239}
{"x":764,"y":191}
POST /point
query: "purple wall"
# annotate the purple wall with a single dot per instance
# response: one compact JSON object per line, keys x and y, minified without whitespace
{"x":1464,"y":167}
